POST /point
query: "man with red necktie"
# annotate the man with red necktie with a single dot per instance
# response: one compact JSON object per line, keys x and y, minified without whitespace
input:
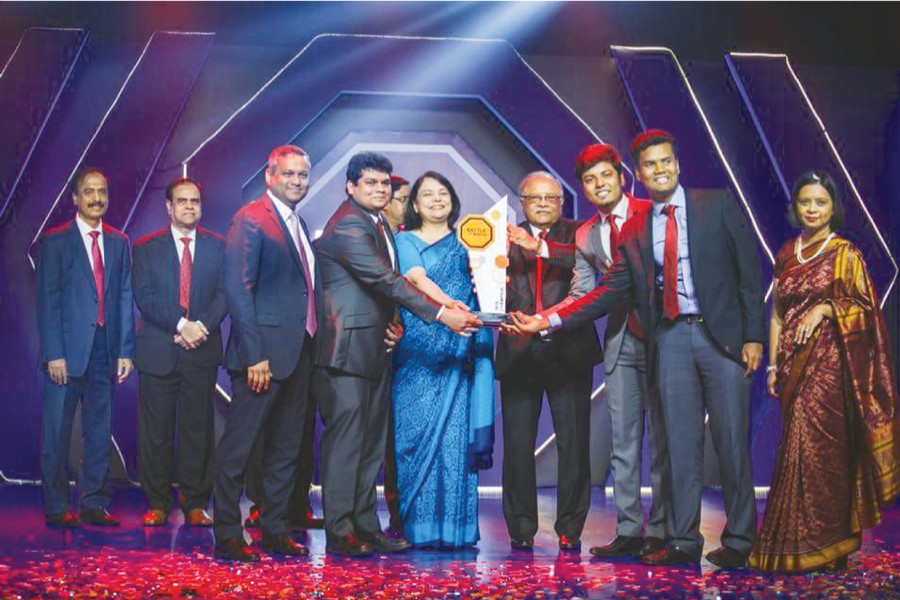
{"x":86,"y":329}
{"x":599,"y":169}
{"x":178,"y":289}
{"x":702,"y":313}
{"x":541,"y":257}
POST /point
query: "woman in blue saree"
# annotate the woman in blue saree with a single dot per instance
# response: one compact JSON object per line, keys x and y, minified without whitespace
{"x":443,"y":382}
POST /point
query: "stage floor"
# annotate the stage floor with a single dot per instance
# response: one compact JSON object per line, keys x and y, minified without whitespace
{"x":175,"y":562}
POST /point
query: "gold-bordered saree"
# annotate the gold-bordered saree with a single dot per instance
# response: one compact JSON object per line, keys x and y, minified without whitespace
{"x":839,"y":459}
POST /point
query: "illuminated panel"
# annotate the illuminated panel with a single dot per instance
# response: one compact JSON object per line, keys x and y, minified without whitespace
{"x":134,"y":130}
{"x":796,"y":141}
{"x":488,"y":70}
{"x":30,"y":85}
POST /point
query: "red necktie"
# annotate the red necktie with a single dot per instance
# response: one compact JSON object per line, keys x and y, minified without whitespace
{"x":184,"y":276}
{"x":98,"y":278}
{"x":670,"y":266}
{"x":613,"y":237}
{"x":312,"y":322}
{"x":539,"y":277}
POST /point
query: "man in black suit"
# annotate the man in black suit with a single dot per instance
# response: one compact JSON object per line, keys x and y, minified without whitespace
{"x":270,"y":281}
{"x":86,"y":326}
{"x":541,"y":258}
{"x":691,"y":267}
{"x":177,"y":285}
{"x":360,"y":290}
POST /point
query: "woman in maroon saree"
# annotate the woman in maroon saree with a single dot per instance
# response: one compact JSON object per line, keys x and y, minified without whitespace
{"x":830,"y":367}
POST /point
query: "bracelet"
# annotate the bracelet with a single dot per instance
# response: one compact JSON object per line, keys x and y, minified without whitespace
{"x":771,"y":368}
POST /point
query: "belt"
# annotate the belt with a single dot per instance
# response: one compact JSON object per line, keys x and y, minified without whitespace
{"x":689,"y":319}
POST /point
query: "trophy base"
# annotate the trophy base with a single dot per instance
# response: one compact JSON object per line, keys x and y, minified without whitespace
{"x":490,"y":319}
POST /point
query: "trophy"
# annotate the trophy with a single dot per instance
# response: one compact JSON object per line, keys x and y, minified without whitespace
{"x":484,"y":236}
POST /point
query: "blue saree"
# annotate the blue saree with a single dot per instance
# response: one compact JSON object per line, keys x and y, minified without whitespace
{"x":443,"y":394}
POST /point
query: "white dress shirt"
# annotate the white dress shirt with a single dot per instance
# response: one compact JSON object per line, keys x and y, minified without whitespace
{"x":179,"y":247}
{"x":302,"y":244}
{"x":620,"y":211}
{"x":85,"y":230}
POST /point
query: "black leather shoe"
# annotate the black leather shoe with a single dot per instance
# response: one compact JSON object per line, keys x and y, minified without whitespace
{"x":347,"y":545}
{"x":727,"y":557}
{"x":652,"y":545}
{"x":304,"y":520}
{"x":521,"y":543}
{"x":236,"y":549}
{"x":66,"y":520}
{"x":669,"y":556}
{"x":252,"y":520}
{"x":622,"y":546}
{"x":99,"y":517}
{"x":382,"y":543}
{"x":284,"y":545}
{"x":569,"y":544}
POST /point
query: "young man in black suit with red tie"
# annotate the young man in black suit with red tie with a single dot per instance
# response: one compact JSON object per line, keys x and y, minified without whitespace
{"x":177,"y":282}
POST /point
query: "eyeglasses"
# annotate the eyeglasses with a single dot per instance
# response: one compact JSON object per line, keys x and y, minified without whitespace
{"x":536,"y":199}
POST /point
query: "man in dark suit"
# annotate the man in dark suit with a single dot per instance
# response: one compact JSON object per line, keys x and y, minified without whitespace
{"x":86,"y":328}
{"x":541,"y":257}
{"x":599,"y":169}
{"x":270,"y":280}
{"x":178,"y":289}
{"x":361,"y":289}
{"x":692,"y":269}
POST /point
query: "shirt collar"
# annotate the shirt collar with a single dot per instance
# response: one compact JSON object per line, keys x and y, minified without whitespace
{"x":620,"y":211}
{"x":178,"y":235}
{"x":283,"y":208}
{"x":677,"y":199}
{"x":84,"y":229}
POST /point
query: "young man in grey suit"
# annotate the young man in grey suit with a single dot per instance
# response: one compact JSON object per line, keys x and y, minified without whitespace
{"x":599,"y":168}
{"x":692,"y":269}
{"x":361,"y":288}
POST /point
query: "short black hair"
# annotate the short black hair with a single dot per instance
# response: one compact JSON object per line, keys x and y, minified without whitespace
{"x":824,"y":179}
{"x":367,"y":160}
{"x":80,"y":174}
{"x":170,"y":189}
{"x":412,"y":220}
{"x":651,"y":137}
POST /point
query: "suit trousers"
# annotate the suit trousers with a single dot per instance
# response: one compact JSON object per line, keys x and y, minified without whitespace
{"x":629,"y":402}
{"x":355,"y":411}
{"x":178,"y":405}
{"x":696,"y":376}
{"x":94,"y":390}
{"x":569,"y":398}
{"x":299,"y":503}
{"x":278,"y":416}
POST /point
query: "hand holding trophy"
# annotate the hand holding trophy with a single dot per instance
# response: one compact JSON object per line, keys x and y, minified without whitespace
{"x":484,"y":236}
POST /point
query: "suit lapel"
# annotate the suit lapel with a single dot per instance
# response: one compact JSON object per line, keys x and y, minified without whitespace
{"x":647,"y":258}
{"x":81,"y":256}
{"x":276,"y":218}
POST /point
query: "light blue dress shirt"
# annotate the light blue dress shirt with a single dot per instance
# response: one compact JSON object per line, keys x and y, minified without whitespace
{"x":688,"y":304}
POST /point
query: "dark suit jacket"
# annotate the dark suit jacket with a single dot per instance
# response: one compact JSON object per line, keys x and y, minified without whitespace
{"x":156,"y":283}
{"x":360,"y":293}
{"x":265,"y":290}
{"x":567,"y":350}
{"x":725,"y":269}
{"x":67,"y":297}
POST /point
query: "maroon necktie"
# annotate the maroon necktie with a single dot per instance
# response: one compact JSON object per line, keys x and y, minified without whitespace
{"x":184,"y":276}
{"x":539,"y":277}
{"x":670,"y":265}
{"x":98,"y":278}
{"x":613,"y":237}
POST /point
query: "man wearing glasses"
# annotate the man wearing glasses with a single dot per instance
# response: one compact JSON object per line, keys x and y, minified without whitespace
{"x":541,"y":256}
{"x":395,"y":211}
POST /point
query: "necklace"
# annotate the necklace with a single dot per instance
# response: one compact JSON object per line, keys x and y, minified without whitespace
{"x":799,"y":248}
